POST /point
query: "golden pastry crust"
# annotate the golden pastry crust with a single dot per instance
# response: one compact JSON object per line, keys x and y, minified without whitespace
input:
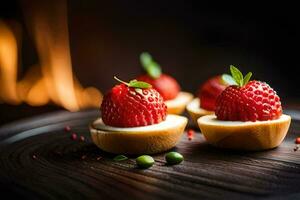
{"x":254,"y":136}
{"x":177,"y":105}
{"x":195,"y":111}
{"x":140,"y":140}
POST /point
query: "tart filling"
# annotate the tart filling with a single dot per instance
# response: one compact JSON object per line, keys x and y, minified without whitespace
{"x":170,"y":122}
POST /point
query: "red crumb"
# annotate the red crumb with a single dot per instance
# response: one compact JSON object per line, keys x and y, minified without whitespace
{"x":297,"y":140}
{"x":82,"y":138}
{"x":74,"y":136}
{"x":67,"y":128}
{"x":190,"y":134}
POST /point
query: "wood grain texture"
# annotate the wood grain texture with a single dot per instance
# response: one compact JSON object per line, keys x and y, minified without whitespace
{"x":38,"y":160}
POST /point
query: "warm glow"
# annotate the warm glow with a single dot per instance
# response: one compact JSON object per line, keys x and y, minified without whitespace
{"x":8,"y":65}
{"x":52,"y":80}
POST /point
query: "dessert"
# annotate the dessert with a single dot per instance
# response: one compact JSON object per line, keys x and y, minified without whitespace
{"x":204,"y":104}
{"x":248,"y":116}
{"x":166,"y":85}
{"x":135,"y":121}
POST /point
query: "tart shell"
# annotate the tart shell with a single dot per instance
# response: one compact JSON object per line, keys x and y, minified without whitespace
{"x":253,"y":136}
{"x":139,"y":140}
{"x":177,"y":105}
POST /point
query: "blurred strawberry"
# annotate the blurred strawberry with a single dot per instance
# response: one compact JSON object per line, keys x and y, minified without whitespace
{"x":166,"y":85}
{"x":209,"y":92}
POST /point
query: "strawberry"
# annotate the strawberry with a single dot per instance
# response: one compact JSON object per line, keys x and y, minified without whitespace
{"x":209,"y":92}
{"x":247,"y":101}
{"x":132,"y":104}
{"x":166,"y":85}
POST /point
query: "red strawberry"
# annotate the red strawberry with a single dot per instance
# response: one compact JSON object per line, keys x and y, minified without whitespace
{"x":166,"y":85}
{"x":133,"y":104}
{"x":248,"y":101}
{"x":209,"y":92}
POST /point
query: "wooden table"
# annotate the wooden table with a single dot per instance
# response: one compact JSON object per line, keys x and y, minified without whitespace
{"x":40,"y":160}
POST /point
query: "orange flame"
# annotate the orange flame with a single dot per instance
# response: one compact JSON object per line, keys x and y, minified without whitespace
{"x":53,"y":80}
{"x":8,"y":65}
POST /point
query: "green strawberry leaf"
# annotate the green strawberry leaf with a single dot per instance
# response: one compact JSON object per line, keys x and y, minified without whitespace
{"x":135,"y":84}
{"x":154,"y":70}
{"x":228,"y":79}
{"x":120,"y":158}
{"x":146,"y":59}
{"x":247,"y":78}
{"x":139,"y":84}
{"x":237,"y":75}
{"x":150,"y":66}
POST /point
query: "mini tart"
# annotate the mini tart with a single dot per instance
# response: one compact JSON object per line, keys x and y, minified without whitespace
{"x":253,"y":136}
{"x":177,"y":105}
{"x":139,"y":140}
{"x":196,"y":111}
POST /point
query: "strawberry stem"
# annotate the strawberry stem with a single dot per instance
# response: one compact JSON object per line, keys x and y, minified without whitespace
{"x":116,"y":78}
{"x":135,"y":84}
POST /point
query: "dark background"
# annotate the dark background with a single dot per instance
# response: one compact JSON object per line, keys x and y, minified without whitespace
{"x":190,"y":40}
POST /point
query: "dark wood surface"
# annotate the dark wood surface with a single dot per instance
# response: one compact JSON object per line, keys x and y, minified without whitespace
{"x":38,"y":160}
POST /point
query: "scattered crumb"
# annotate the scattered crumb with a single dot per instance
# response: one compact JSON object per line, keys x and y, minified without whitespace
{"x":98,"y":158}
{"x":296,"y":148}
{"x":83,"y":157}
{"x":74,"y":136}
{"x":67,"y":128}
{"x":82,"y":138}
{"x":34,"y":156}
{"x":190,"y":134}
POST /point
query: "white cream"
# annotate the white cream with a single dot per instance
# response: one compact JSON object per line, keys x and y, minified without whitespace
{"x":170,"y":122}
{"x":212,"y":120}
